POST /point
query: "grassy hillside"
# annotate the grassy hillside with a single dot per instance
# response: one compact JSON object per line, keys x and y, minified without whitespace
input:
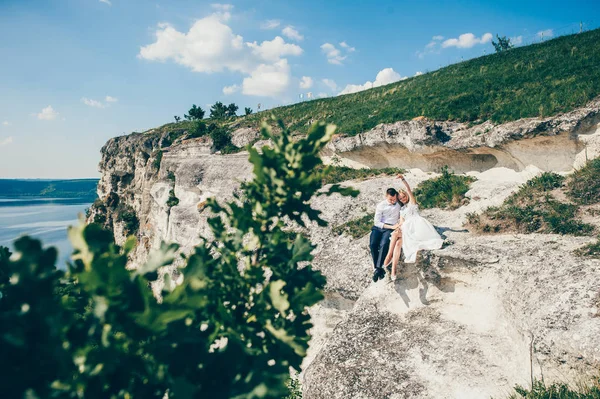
{"x":537,"y":80}
{"x":80,"y":188}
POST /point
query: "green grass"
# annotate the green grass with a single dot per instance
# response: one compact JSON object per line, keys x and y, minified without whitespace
{"x":557,"y":391}
{"x":356,"y":228}
{"x":538,"y":80}
{"x":534,"y":209}
{"x":336,"y":174}
{"x":590,"y":250}
{"x":445,"y":191}
{"x":584,"y":185}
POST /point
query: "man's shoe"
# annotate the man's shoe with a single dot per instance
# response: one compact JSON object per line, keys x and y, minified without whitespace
{"x":375,"y":275}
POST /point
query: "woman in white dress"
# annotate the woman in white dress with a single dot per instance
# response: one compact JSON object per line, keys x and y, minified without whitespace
{"x":414,"y":233}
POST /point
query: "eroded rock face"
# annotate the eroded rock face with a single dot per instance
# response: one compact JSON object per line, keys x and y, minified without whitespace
{"x":548,"y":143}
{"x":462,"y":322}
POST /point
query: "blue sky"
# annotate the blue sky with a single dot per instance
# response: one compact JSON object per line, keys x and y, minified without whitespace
{"x":75,"y":73}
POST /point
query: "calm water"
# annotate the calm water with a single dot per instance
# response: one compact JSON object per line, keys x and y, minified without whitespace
{"x":46,"y":219}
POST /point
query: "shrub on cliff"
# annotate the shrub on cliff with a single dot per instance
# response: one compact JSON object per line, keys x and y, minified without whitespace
{"x":584,"y":185}
{"x":446,"y":191}
{"x":233,"y":327}
{"x":337,"y":174}
{"x":534,"y":208}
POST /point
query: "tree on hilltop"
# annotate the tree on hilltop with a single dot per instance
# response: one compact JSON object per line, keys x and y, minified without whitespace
{"x":247,"y":111}
{"x":218,"y":110}
{"x":232,"y":109}
{"x":195,"y":114}
{"x":502,"y":44}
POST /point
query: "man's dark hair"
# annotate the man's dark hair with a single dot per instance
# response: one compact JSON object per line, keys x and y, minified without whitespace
{"x":391,"y":192}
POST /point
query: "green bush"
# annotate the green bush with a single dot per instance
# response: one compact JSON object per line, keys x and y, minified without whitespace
{"x":584,"y":185}
{"x":337,"y":174}
{"x":445,"y":191}
{"x":557,"y":391}
{"x":198,"y":130}
{"x":356,"y":228}
{"x":225,"y":331}
{"x":173,"y":200}
{"x":127,"y":215}
{"x":157,"y":159}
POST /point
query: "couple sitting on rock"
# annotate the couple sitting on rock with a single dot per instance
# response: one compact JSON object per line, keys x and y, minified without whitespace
{"x":399,"y":228}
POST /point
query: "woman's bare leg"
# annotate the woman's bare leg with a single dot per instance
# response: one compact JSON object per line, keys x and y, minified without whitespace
{"x":396,"y":256}
{"x":390,"y":254}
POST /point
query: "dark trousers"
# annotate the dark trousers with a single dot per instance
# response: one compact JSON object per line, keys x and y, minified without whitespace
{"x":380,"y":244}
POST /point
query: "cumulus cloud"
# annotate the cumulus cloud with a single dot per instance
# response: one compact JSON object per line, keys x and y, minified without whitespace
{"x":545,"y":33}
{"x":516,"y":41}
{"x":92,"y":103}
{"x":333,"y":54}
{"x":437,"y":38}
{"x":6,"y":123}
{"x":418,"y":73}
{"x":275,"y":49}
{"x":227,"y":90}
{"x":268,"y":80}
{"x":6,"y":141}
{"x":347,"y":47}
{"x":330,"y":83}
{"x":467,"y":40}
{"x":384,"y":77}
{"x":211,"y":46}
{"x":110,"y":99}
{"x":292,"y":33}
{"x":322,"y":95}
{"x":306,"y":82}
{"x":106,"y":2}
{"x":47,"y":114}
{"x":270,"y":24}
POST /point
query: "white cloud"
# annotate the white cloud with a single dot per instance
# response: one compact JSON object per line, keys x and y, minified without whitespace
{"x":270,"y":24}
{"x":292,"y":33}
{"x":516,"y":41}
{"x":268,"y":80}
{"x":6,"y":141}
{"x":210,"y":46}
{"x":110,"y":99}
{"x":347,"y":47}
{"x":334,"y":55}
{"x":306,"y":82}
{"x":47,"y":114}
{"x":384,"y":77}
{"x":418,"y":73}
{"x":273,"y":50}
{"x":106,"y":2}
{"x":6,"y":123}
{"x":222,"y":11}
{"x":322,"y":95}
{"x":437,"y":38}
{"x":545,"y":33}
{"x":467,"y":40}
{"x":227,"y":90}
{"x":330,"y":83}
{"x":92,"y":103}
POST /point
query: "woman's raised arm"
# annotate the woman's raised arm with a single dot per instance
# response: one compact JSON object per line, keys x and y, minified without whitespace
{"x":411,"y":196}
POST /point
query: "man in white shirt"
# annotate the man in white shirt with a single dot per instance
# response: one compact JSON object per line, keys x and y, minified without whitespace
{"x":387,"y":215}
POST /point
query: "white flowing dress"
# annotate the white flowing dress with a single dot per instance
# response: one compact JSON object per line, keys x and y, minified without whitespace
{"x":417,"y":233}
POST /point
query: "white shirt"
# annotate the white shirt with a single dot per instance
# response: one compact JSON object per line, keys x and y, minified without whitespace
{"x":386,"y":213}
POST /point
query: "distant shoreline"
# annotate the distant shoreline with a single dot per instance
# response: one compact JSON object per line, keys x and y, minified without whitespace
{"x":84,"y":189}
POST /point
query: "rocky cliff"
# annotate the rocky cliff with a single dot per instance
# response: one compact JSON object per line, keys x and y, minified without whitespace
{"x":469,"y":320}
